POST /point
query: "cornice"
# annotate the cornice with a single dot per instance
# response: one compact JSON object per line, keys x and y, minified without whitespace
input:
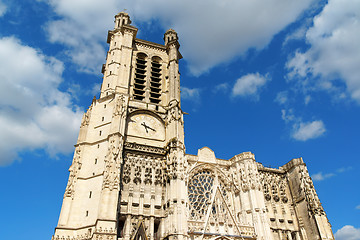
{"x":156,"y":46}
{"x":98,"y":141}
{"x":128,"y":28}
{"x":144,"y":148}
{"x":293,"y":163}
{"x":101,"y":125}
{"x":124,"y":28}
{"x":93,"y":176}
{"x":86,"y":226}
{"x":271,"y":170}
{"x":105,"y":98}
{"x":243,"y":156}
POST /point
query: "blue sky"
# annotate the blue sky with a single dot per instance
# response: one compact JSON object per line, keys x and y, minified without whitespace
{"x":279,"y":78}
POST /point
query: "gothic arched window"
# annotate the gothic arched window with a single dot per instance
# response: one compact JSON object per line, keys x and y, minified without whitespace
{"x":200,"y":191}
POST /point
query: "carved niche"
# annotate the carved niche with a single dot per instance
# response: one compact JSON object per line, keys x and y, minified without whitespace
{"x":142,"y":168}
{"x":120,"y":106}
{"x":113,"y":162}
{"x":74,"y":169}
{"x":312,"y":198}
{"x":274,"y":186}
{"x":176,"y":164}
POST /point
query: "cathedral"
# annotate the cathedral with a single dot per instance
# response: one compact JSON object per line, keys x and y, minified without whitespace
{"x":131,"y":178}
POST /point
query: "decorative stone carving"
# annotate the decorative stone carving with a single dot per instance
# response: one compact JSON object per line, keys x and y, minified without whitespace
{"x":248,"y":176}
{"x":148,"y":175}
{"x":137,"y":175}
{"x":144,"y":148}
{"x":274,"y":186}
{"x":307,"y":186}
{"x":86,"y":117}
{"x":174,"y":112}
{"x":126,"y":173}
{"x":158,"y":175}
{"x":120,"y":106}
{"x":243,"y":156}
{"x":113,"y":161}
{"x":175,"y":161}
{"x":150,"y":164}
{"x":174,"y":143}
{"x":74,"y":169}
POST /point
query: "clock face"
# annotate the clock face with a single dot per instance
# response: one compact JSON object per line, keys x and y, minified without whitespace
{"x":147,"y":126}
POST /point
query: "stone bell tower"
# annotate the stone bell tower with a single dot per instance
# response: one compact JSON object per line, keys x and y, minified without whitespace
{"x":127,"y":177}
{"x":130,"y":178}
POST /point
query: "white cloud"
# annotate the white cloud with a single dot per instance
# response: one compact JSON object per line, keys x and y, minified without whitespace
{"x":3,"y":9}
{"x":296,"y":35}
{"x":358,"y":207}
{"x":348,"y":232}
{"x":95,"y":90}
{"x":190,"y":94}
{"x":223,"y":87}
{"x":307,"y":99}
{"x":211,"y":32}
{"x":33,"y":112}
{"x":282,"y":97}
{"x":332,"y":62}
{"x":74,"y":90}
{"x":320,"y":176}
{"x":304,"y":131}
{"x":82,"y":28}
{"x":344,"y":169}
{"x":288,"y":115}
{"x":250,"y":85}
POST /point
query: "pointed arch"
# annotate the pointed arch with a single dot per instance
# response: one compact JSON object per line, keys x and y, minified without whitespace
{"x":210,"y":166}
{"x":219,"y":213}
{"x":147,"y":111}
{"x":140,"y":233}
{"x":203,"y":181}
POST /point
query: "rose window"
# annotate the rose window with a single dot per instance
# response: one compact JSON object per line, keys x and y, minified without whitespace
{"x":200,"y":191}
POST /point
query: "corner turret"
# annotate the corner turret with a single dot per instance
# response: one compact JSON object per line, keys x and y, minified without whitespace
{"x":121,"y":19}
{"x":170,"y":36}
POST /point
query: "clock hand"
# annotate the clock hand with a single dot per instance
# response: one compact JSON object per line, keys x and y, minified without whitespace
{"x":145,"y":126}
{"x":151,"y":129}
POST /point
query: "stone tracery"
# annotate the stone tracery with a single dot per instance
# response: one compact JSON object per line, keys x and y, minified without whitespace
{"x":200,"y":191}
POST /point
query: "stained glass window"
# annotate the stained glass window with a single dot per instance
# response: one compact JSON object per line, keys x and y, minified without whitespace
{"x":200,"y":191}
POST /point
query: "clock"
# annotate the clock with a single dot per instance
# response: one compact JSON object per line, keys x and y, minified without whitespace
{"x":146,"y":126}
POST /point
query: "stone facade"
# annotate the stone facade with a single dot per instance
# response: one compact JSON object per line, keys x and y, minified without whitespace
{"x":131,"y":178}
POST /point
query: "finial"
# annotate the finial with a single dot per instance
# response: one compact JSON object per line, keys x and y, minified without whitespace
{"x":170,"y":35}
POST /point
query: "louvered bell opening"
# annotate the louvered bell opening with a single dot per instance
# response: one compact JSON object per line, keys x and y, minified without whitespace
{"x":140,"y":65}
{"x":140,"y":78}
{"x":155,"y":82}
